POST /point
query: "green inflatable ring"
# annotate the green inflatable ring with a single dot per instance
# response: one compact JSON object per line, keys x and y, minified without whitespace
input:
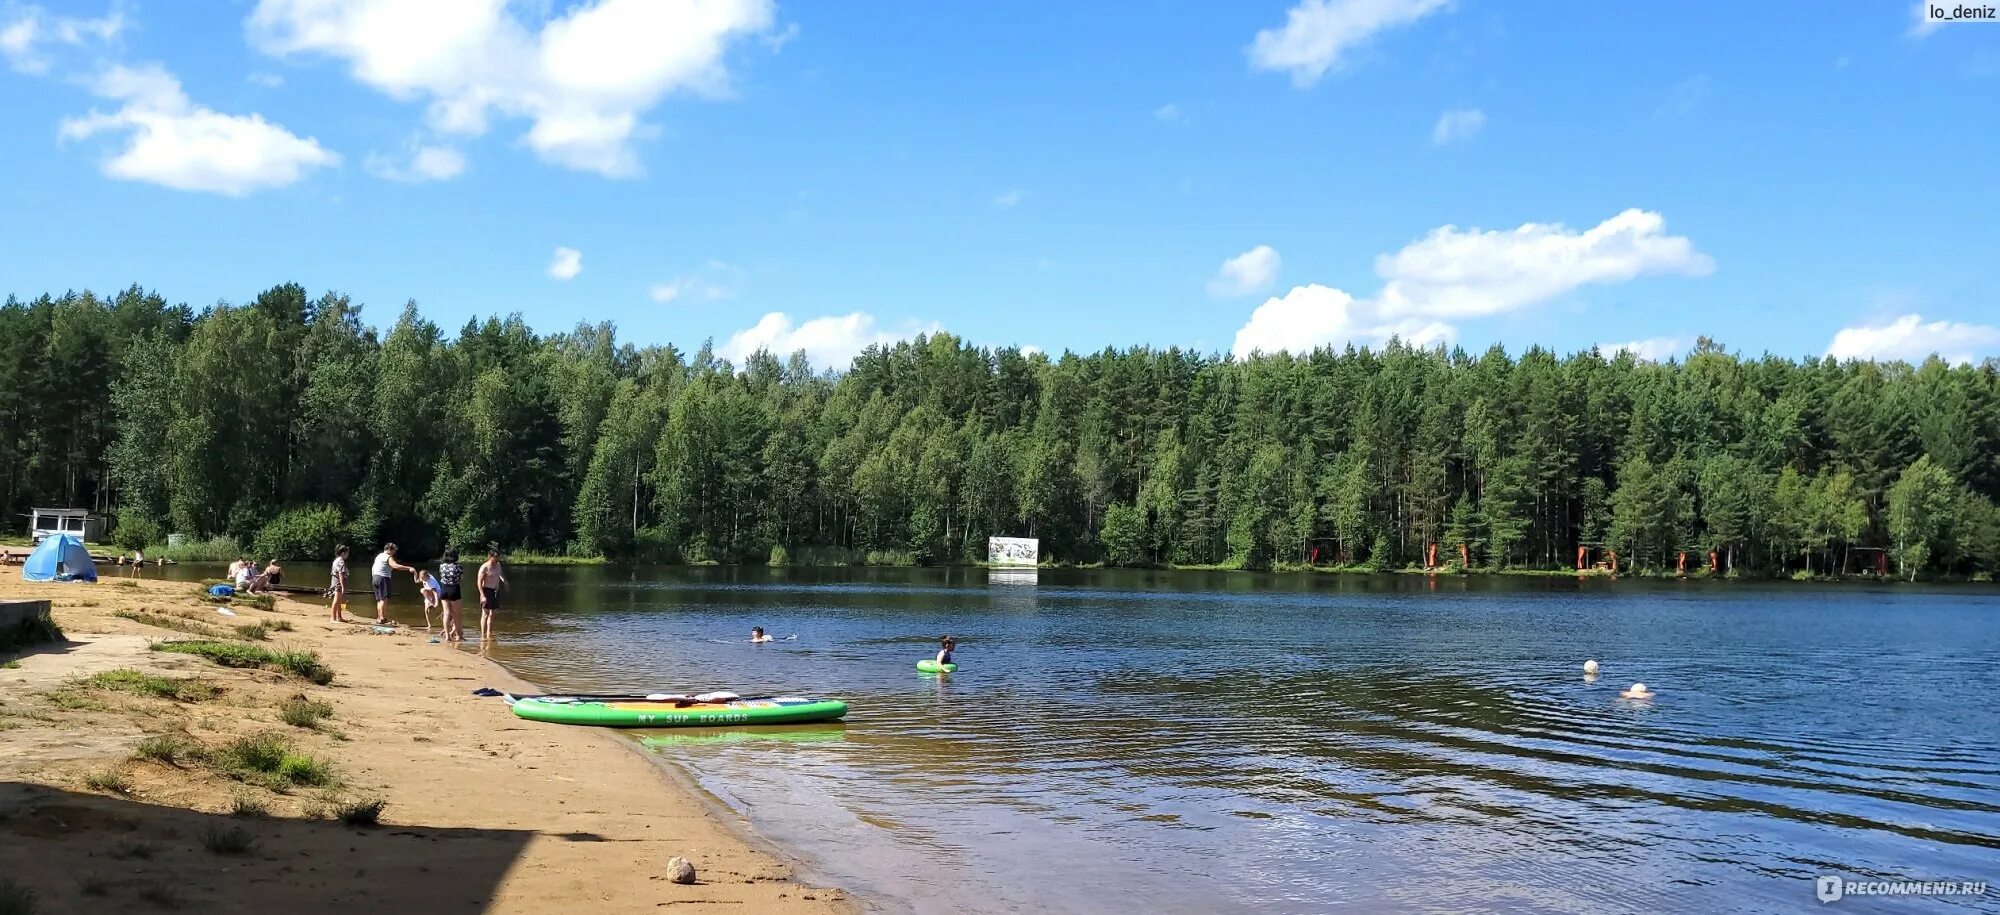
{"x":932,"y":667}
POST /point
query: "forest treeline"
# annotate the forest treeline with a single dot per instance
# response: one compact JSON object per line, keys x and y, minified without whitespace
{"x":288,"y":424}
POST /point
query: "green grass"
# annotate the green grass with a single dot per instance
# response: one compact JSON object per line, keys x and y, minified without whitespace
{"x":299,"y":663}
{"x":227,"y":840}
{"x":37,"y":630}
{"x":271,"y":760}
{"x":163,"y":621}
{"x":551,"y":559}
{"x":248,"y":807}
{"x":144,"y":684}
{"x":300,"y":712}
{"x":168,"y":749}
{"x":11,"y":665}
{"x":279,"y":625}
{"x":16,"y":899}
{"x":108,"y":780}
{"x":255,"y":632}
{"x":214,"y":549}
{"x":359,"y":812}
{"x":161,"y":895}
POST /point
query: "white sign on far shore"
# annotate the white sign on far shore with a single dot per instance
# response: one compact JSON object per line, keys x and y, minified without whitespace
{"x":1013,"y":551}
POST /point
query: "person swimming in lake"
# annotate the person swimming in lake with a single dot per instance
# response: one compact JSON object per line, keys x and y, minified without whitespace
{"x":945,"y":645}
{"x":757,"y":635}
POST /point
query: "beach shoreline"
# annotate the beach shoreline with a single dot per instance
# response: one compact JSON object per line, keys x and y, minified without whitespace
{"x":483,"y":812}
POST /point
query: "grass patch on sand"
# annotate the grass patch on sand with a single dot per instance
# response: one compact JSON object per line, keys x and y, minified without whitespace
{"x":163,"y":621}
{"x":248,"y":807}
{"x":161,"y":895}
{"x":299,"y":663}
{"x":32,"y":631}
{"x":300,"y":712}
{"x":227,"y":840}
{"x":108,"y":780}
{"x":168,"y":749}
{"x":16,"y":899}
{"x":272,"y":761}
{"x":145,"y":684}
{"x":356,"y":812}
{"x":279,"y":625}
{"x":93,"y":885}
{"x":254,"y":632}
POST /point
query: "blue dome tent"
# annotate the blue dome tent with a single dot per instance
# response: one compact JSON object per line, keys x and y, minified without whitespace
{"x":61,"y":557}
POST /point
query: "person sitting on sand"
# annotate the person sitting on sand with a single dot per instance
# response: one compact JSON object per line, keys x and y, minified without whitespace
{"x":945,"y":645}
{"x":244,"y":573}
{"x":273,"y":573}
{"x":1638,"y":691}
{"x":757,"y":636}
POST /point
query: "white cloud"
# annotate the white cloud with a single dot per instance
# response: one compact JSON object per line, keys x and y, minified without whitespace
{"x":267,"y":80}
{"x":1453,"y":273}
{"x":23,"y":40}
{"x":1318,"y":32}
{"x":1456,"y":272}
{"x":830,"y":342}
{"x":420,"y":163}
{"x":1923,"y":25}
{"x":1008,"y":200}
{"x":1457,"y":125}
{"x":1170,"y":112}
{"x":1651,"y":349}
{"x":567,"y":263}
{"x":1251,"y":271}
{"x":178,"y":144}
{"x":582,"y":79}
{"x":715,"y":280}
{"x":1911,"y":339}
{"x":1685,"y":97}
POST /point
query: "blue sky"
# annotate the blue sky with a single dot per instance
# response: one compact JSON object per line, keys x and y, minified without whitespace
{"x":1257,"y":175}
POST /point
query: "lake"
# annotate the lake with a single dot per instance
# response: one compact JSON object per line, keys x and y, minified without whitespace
{"x":1224,"y":742}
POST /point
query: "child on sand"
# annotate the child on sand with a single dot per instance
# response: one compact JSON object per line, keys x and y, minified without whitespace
{"x":337,"y":589}
{"x":433,"y":594}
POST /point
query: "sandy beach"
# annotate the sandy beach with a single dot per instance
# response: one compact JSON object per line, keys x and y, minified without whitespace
{"x":483,"y":812}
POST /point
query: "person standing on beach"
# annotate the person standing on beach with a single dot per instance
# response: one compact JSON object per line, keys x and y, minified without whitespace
{"x":490,"y":582}
{"x":385,"y":566}
{"x":337,"y":590}
{"x":449,"y":576}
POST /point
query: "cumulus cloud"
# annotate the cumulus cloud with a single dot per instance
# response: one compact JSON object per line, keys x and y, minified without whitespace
{"x":581,"y":79}
{"x":1457,"y":125}
{"x":1249,"y":272}
{"x":1318,"y":32}
{"x":1651,"y":349}
{"x":1912,"y":339}
{"x":26,"y":37}
{"x":830,"y":342}
{"x":419,"y":163}
{"x":1457,"y":273}
{"x":566,"y":264}
{"x":715,"y":280}
{"x":173,"y":142}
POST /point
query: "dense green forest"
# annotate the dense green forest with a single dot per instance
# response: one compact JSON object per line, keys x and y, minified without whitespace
{"x":288,"y":424}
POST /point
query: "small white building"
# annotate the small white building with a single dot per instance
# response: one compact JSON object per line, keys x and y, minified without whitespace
{"x":80,"y":523}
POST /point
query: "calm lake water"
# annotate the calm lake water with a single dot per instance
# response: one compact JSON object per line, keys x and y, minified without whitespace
{"x":1120,"y":742}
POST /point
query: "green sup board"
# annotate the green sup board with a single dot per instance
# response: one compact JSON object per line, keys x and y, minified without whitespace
{"x":665,"y":711}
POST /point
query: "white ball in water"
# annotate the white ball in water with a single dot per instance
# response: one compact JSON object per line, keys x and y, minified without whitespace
{"x":1590,"y":667}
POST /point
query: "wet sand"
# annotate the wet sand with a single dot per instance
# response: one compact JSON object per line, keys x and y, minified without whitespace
{"x":485,"y":812}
